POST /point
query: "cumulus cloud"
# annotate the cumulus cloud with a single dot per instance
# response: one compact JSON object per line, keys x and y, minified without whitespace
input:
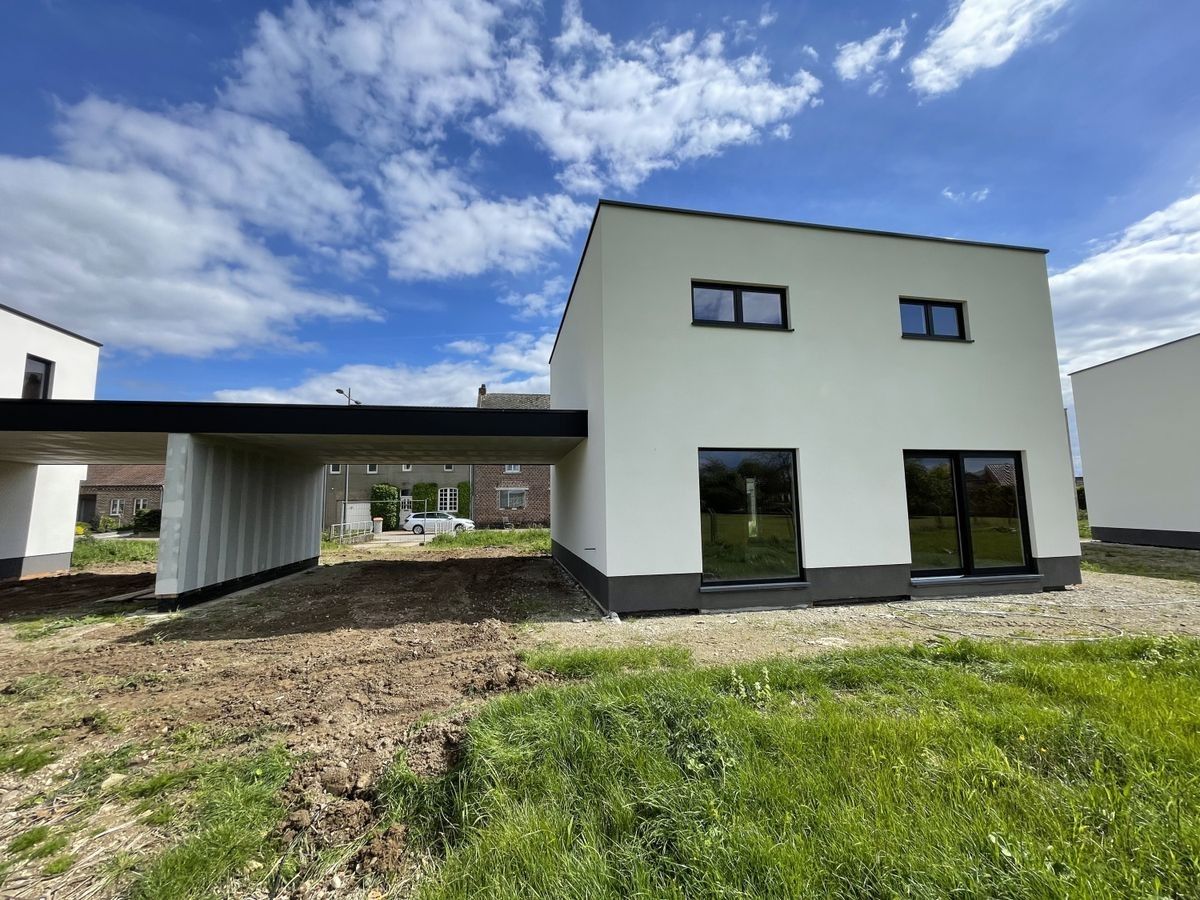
{"x":445,"y":228}
{"x":466,"y":348}
{"x":519,"y":364}
{"x":612,"y":114}
{"x":225,"y":159}
{"x":382,"y":70}
{"x":975,"y":35}
{"x":548,"y":302}
{"x":1138,"y":291}
{"x":859,"y":60}
{"x":131,"y":259}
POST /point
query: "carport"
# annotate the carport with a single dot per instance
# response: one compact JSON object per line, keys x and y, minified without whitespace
{"x":243,"y":487}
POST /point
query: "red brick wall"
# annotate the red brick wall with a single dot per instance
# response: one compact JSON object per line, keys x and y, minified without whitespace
{"x":105,"y":495}
{"x":484,"y":496}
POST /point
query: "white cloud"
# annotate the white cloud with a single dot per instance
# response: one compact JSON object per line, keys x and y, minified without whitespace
{"x":614,"y":114}
{"x":221,"y":158}
{"x":131,"y":259}
{"x":383,"y":70}
{"x":857,"y":60}
{"x":811,"y":52}
{"x":976,"y":196}
{"x":466,"y":348}
{"x":445,"y":228}
{"x":1139,"y":291}
{"x":548,"y":302}
{"x":978,"y":34}
{"x":519,"y":364}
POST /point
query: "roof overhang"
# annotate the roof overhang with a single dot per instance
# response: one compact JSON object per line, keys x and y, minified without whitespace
{"x":66,"y":432}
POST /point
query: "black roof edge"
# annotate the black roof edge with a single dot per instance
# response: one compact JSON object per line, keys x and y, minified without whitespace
{"x":1109,"y":362}
{"x":50,"y":325}
{"x":764,"y":220}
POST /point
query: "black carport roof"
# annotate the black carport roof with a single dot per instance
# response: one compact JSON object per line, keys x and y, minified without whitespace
{"x":135,"y":431}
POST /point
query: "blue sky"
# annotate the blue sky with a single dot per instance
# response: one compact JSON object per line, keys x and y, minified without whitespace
{"x":265,"y":202}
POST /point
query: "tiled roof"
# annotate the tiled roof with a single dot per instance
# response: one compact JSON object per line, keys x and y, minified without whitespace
{"x":515,"y":401}
{"x":120,"y":476}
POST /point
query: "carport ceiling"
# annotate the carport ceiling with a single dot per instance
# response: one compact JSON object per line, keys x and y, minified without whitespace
{"x":124,"y":431}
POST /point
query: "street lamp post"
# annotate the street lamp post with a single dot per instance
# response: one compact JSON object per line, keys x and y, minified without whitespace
{"x":350,"y":401}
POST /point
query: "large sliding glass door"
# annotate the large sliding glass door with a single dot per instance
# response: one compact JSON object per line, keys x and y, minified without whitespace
{"x":966,"y":513}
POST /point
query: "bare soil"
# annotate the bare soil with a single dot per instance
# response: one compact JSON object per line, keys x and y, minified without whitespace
{"x":383,"y":650}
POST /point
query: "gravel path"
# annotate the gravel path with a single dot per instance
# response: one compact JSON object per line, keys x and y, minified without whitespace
{"x":1105,"y":606}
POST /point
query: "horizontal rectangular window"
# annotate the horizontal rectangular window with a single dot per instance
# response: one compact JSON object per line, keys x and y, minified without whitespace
{"x":510,"y":469}
{"x":748,"y":525}
{"x":508,"y":499}
{"x":937,"y":319}
{"x":735,"y":304}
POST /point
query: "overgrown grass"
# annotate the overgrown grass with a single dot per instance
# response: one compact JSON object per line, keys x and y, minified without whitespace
{"x":24,"y":752}
{"x":36,"y":629}
{"x":533,"y":539}
{"x":1085,"y":528}
{"x":89,"y":551}
{"x":1151,"y":562}
{"x":590,"y":662}
{"x":964,"y":770}
{"x":228,"y":821}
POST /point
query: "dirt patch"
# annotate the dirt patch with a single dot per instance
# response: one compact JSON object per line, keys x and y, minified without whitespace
{"x":79,"y":593}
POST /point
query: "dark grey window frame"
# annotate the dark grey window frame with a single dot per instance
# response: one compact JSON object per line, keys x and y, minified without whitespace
{"x":47,"y":383}
{"x":929,"y":305}
{"x":800,"y":576}
{"x":738,"y":288}
{"x":966,"y":552}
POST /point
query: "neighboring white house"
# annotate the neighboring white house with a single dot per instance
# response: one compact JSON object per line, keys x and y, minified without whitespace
{"x":783,"y":413}
{"x":37,"y":503}
{"x":1139,"y":442}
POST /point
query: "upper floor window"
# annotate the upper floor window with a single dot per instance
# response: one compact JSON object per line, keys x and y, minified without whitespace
{"x":448,"y":467}
{"x":372,"y":468}
{"x":511,"y":469}
{"x":742,"y":305}
{"x":406,"y":467}
{"x":36,"y":385}
{"x":938,"y":319}
{"x":335,"y":468}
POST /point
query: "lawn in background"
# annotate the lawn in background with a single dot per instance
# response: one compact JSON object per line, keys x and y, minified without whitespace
{"x":533,"y":539}
{"x":959,"y":770}
{"x":89,"y":551}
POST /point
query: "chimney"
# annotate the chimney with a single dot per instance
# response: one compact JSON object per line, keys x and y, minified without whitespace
{"x":482,"y":392}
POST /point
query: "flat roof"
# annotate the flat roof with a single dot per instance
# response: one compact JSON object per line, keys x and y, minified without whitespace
{"x":73,"y":432}
{"x":50,"y":325}
{"x":792,"y":223}
{"x":1135,"y":353}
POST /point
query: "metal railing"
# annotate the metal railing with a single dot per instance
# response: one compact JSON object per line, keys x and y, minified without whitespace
{"x":348,"y":532}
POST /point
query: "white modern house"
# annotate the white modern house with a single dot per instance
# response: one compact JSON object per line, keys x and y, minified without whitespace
{"x":781,"y":414}
{"x":744,"y":413}
{"x":1138,"y":419}
{"x":40,"y":361}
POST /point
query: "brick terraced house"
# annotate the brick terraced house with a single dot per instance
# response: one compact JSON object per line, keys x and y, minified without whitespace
{"x":120,"y":492}
{"x":510,"y":494}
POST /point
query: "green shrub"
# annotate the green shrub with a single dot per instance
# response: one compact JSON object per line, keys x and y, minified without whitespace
{"x":147,"y":520}
{"x":385,"y":505}
{"x":464,"y":499}
{"x":108,"y":523}
{"x":424,"y":497}
{"x":1081,"y":497}
{"x":82,"y":528}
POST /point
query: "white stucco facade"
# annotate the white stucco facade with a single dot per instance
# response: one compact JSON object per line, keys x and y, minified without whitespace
{"x":1139,"y":441}
{"x":841,"y":388}
{"x":39,"y":502}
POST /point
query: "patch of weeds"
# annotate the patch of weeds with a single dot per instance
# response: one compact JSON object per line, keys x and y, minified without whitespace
{"x":533,"y":539}
{"x":121,"y":865}
{"x":47,"y":847}
{"x":91,"y":551}
{"x":59,"y":864}
{"x":229,"y":820}
{"x":95,"y":767}
{"x":36,"y":629}
{"x":31,"y":687}
{"x":593,"y":661}
{"x":27,"y":839}
{"x":25,"y":753}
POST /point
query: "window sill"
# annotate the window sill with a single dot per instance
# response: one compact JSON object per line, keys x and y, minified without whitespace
{"x":739,"y":325}
{"x":937,"y":337}
{"x":753,"y":586}
{"x":1016,"y":578}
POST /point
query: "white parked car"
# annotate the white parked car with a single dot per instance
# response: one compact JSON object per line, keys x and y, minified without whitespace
{"x":436,"y":523}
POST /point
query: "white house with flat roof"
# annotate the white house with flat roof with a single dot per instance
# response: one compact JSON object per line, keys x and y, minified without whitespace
{"x":782,"y":413}
{"x":40,"y":361}
{"x":1138,"y":419}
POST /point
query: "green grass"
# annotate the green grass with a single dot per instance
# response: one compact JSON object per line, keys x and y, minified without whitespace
{"x":1085,"y":528}
{"x":59,"y":864}
{"x":1151,"y":562}
{"x":36,"y":629}
{"x":535,"y":539}
{"x":89,"y":551}
{"x":966,"y":770}
{"x":590,"y":662}
{"x":230,"y":819}
{"x":24,"y":752}
{"x":26,"y":840}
